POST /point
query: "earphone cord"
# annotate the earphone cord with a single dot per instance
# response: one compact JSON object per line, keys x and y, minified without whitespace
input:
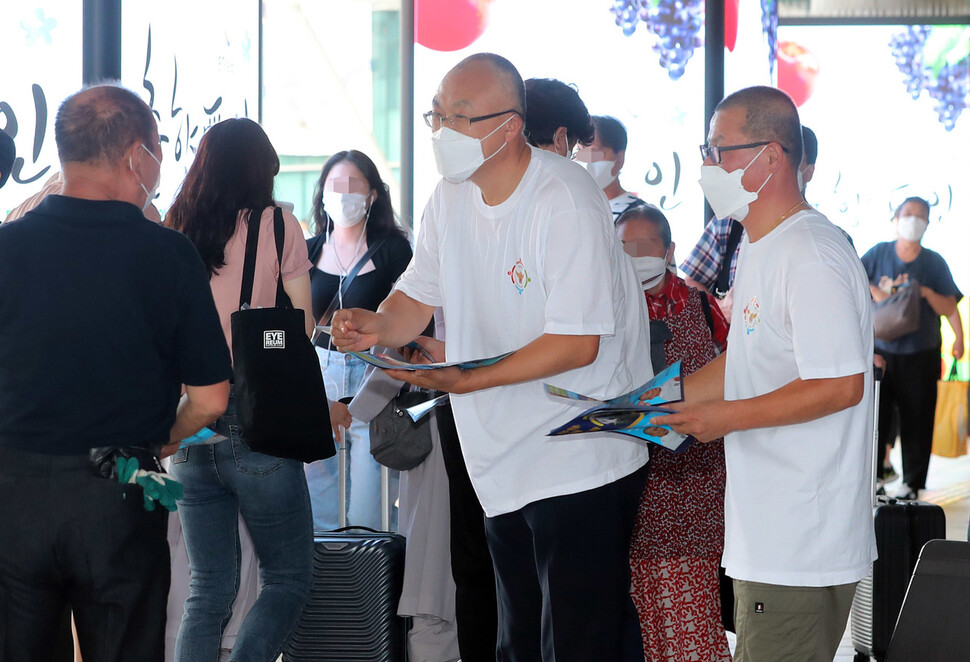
{"x":343,"y":275}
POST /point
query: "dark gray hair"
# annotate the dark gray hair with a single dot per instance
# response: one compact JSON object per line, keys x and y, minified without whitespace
{"x":553,"y":104}
{"x":650,"y":214}
{"x":770,"y":115}
{"x":915,"y":200}
{"x":611,"y":132}
{"x":97,"y":124}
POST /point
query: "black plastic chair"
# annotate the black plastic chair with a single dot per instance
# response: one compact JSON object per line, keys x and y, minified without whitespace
{"x":933,"y":622}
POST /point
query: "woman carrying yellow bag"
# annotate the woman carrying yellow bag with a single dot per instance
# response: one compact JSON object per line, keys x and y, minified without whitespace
{"x":950,"y":424}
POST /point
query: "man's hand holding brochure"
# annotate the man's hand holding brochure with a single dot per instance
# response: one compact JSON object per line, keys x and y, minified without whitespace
{"x":387,"y":362}
{"x":631,"y":413}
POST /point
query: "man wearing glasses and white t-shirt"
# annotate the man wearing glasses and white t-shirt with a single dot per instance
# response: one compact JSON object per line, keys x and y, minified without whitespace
{"x":792,"y":395}
{"x":517,"y":246}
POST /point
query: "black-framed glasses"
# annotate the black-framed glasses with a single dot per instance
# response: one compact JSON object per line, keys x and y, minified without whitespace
{"x":713,"y":152}
{"x":459,"y":123}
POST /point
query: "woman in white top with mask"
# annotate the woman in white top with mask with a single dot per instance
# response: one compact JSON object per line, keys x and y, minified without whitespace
{"x":354,"y":224}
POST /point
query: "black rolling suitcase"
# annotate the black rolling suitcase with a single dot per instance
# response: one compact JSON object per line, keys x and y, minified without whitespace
{"x":358,"y":575}
{"x":932,"y":625}
{"x":902,"y":528}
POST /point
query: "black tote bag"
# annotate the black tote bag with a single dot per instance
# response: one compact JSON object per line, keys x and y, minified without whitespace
{"x":280,"y":397}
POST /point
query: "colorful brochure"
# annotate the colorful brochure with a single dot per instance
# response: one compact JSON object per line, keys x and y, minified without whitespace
{"x":631,"y":413}
{"x":387,"y":362}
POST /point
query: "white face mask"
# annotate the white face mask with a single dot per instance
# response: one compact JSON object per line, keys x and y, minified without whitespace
{"x":911,"y":227}
{"x":650,"y":270}
{"x":346,"y":209}
{"x":158,"y":179}
{"x":458,"y":156}
{"x":602,"y":172}
{"x":800,"y":178}
{"x":725,"y":193}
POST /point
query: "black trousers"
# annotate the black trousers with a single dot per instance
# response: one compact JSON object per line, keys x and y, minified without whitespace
{"x":471,"y":563}
{"x":69,"y":538}
{"x":909,"y":388}
{"x":563,"y":576}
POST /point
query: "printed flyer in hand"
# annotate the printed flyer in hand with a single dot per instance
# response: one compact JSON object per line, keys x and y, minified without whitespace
{"x":203,"y":437}
{"x":388,"y":362}
{"x":631,"y":413}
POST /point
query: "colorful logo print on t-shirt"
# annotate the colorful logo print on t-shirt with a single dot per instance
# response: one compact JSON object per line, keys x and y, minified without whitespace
{"x":520,"y":277}
{"x":751,"y":315}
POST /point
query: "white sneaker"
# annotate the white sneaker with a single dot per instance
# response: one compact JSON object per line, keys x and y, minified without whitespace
{"x":904,"y":492}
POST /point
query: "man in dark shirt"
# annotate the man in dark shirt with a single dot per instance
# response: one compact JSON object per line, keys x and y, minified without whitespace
{"x":103,"y":316}
{"x":8,"y":153}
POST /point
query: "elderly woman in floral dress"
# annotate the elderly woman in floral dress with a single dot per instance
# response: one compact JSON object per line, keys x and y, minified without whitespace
{"x":679,"y":534}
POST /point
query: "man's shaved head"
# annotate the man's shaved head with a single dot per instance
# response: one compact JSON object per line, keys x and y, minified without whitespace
{"x":770,"y":115}
{"x":508,"y":82}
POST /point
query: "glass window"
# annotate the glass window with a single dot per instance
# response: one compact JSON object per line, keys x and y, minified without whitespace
{"x":42,"y":66}
{"x":191,"y":74}
{"x":331,"y":82}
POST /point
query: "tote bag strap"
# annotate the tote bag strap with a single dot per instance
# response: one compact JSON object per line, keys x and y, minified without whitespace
{"x":249,"y":263}
{"x":279,"y":231}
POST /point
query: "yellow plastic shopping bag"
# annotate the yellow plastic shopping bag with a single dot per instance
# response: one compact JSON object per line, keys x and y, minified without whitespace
{"x":950,"y":425}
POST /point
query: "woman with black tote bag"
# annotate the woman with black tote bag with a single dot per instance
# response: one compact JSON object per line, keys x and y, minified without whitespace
{"x":232,"y":175}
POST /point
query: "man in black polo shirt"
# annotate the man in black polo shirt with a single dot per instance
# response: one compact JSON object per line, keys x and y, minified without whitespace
{"x":8,"y":152}
{"x":103,"y":316}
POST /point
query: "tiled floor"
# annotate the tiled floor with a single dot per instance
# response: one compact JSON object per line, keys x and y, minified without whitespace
{"x":947,"y":484}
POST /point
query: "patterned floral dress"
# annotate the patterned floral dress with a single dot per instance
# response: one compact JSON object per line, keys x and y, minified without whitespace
{"x":679,"y":534}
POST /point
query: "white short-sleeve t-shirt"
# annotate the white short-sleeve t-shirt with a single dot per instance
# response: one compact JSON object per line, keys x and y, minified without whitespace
{"x":798,"y":500}
{"x":547,"y":260}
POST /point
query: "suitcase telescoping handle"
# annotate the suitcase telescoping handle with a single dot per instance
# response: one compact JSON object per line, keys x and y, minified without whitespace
{"x":342,"y":487}
{"x":342,"y":479}
{"x":385,"y":498}
{"x":876,"y":450}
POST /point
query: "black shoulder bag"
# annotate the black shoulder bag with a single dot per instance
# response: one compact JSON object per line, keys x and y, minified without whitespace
{"x":280,"y":397}
{"x":396,"y":441}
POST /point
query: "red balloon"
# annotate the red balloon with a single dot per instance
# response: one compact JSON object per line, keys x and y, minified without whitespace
{"x":730,"y":24}
{"x":797,"y":70}
{"x":449,"y":25}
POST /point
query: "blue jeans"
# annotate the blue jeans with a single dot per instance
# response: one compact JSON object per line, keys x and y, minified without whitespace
{"x":220,"y":481}
{"x":342,"y":375}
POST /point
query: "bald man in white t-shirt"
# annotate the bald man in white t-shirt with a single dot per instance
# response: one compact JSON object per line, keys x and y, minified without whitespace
{"x":517,"y":247}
